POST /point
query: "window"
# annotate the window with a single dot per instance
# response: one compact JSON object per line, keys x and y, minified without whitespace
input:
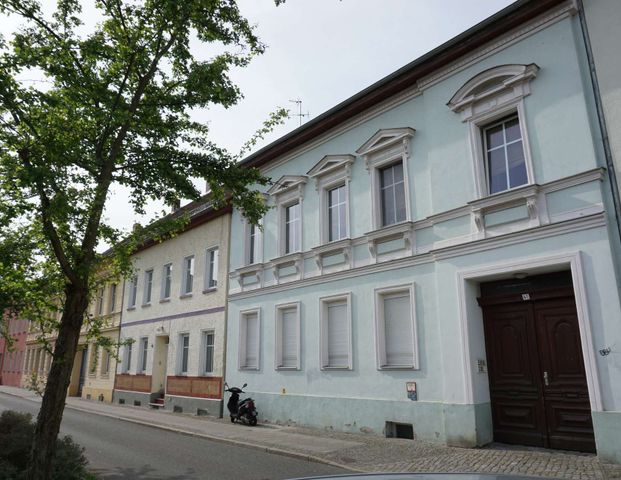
{"x":252,"y":243}
{"x":188,"y":275}
{"x":105,"y":361}
{"x":112,"y":298}
{"x":100,"y":301}
{"x":92,"y":358}
{"x":336,"y":332}
{"x":211,"y":279}
{"x":208,"y":346}
{"x":492,"y":104}
{"x":127,"y":360}
{"x":395,"y":327}
{"x":288,"y":336}
{"x":249,"y":328}
{"x":144,"y":350}
{"x":148,"y":287}
{"x":133,"y":290}
{"x":392,"y":194}
{"x":293,"y":229}
{"x":337,"y":213}
{"x":166,"y":281}
{"x":504,"y":152}
{"x":184,"y":352}
{"x":288,"y":193}
{"x":387,"y":154}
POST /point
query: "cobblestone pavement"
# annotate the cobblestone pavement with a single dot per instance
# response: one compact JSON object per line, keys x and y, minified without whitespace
{"x":378,"y":454}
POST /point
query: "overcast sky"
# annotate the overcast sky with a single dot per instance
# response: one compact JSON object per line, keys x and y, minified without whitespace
{"x":322,"y":52}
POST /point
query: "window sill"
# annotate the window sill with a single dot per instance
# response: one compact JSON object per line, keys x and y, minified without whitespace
{"x":336,"y":368}
{"x":210,"y":290}
{"x":146,"y":305}
{"x":131,"y":308}
{"x":185,"y":295}
{"x":290,"y":369}
{"x":397,"y":231}
{"x":248,"y":368}
{"x":397,"y":367}
{"x":165,"y":300}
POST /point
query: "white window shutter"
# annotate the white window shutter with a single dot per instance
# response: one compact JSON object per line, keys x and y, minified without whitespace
{"x":338,"y":335}
{"x":251,"y":341}
{"x":398,"y":330}
{"x":289,"y":326}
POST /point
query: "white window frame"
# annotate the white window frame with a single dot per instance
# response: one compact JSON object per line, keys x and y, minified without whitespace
{"x":184,"y":280}
{"x":383,"y":149}
{"x":105,"y":362}
{"x":241,"y":342}
{"x":210,"y":274}
{"x":180,"y":337}
{"x":278,"y":353}
{"x":133,"y":292}
{"x":329,"y":173}
{"x":112,"y":296}
{"x":324,"y":302}
{"x":480,"y":109}
{"x":127,"y":356}
{"x":288,"y":191}
{"x":142,"y":355}
{"x":163,"y":296}
{"x":148,"y":287}
{"x":380,"y":339}
{"x":203,"y":360}
{"x":258,"y":256}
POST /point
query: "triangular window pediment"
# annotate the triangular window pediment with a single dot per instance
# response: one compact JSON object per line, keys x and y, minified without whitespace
{"x":385,"y":138}
{"x":331,"y":163}
{"x":287,"y":183}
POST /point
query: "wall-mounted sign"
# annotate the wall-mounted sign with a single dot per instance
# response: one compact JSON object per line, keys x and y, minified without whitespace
{"x":526,"y":296}
{"x":410,"y":387}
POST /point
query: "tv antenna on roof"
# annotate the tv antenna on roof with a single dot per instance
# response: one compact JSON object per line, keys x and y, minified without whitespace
{"x":300,"y":114}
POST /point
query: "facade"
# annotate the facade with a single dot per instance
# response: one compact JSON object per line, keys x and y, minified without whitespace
{"x":438,"y":261}
{"x":12,"y":361}
{"x":174,"y":316}
{"x":92,"y":376}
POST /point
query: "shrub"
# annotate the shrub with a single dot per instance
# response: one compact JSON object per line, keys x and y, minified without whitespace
{"x":16,"y":432}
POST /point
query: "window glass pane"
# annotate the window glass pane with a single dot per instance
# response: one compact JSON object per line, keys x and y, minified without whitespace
{"x":185,"y":347}
{"x":386,"y":176}
{"x":398,"y":330}
{"x":252,"y":244}
{"x":388,"y":206}
{"x":342,"y":220}
{"x":399,"y":202}
{"x":495,"y":137}
{"x":189,"y":274}
{"x":209,"y":345}
{"x":517,"y":166}
{"x":497,"y":171}
{"x":292,"y":222}
{"x":397,"y":169}
{"x":512,"y":131}
{"x":338,"y":339}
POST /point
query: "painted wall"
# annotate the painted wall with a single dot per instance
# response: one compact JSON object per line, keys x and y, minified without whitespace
{"x":203,"y":310}
{"x":565,"y":214}
{"x":12,"y":361}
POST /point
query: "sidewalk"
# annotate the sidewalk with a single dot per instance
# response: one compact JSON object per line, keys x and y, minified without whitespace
{"x":358,"y":452}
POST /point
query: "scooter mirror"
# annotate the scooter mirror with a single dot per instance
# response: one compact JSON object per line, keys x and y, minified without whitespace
{"x":244,"y":385}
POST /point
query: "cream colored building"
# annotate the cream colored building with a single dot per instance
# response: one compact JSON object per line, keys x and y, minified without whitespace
{"x":174,"y":317}
{"x":94,"y":367}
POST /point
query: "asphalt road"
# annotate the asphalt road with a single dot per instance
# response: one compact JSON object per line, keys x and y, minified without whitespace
{"x":121,"y":450}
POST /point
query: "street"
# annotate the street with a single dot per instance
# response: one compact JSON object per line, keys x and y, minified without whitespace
{"x":120,"y":450}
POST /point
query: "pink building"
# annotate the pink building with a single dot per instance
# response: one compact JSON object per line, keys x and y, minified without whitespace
{"x":12,"y":362}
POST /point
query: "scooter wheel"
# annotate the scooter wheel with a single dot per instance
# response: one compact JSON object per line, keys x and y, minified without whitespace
{"x":253,"y":421}
{"x":232,"y":419}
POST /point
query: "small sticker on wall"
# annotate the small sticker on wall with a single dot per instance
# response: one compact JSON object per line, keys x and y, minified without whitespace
{"x":411,"y":389}
{"x":526,"y":296}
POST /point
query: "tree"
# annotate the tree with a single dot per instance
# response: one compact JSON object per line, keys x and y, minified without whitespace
{"x":112,"y":107}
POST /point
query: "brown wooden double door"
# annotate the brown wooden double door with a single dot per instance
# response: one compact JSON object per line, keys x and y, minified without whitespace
{"x":536,"y":372}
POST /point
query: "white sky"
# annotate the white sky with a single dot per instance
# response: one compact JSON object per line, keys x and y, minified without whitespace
{"x":322,"y":52}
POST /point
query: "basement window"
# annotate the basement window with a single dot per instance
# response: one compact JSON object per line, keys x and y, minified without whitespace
{"x":399,"y":430}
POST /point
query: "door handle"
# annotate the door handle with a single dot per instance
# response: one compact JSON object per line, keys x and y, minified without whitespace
{"x":546,"y":380}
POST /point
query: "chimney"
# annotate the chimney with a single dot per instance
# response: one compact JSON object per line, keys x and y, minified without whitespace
{"x":175,"y":205}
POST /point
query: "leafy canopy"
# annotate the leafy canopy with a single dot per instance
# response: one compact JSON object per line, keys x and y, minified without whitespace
{"x":113,"y":108}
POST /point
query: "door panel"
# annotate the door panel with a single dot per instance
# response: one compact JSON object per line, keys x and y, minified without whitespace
{"x":517,"y":408}
{"x":568,"y":410}
{"x":538,"y":385}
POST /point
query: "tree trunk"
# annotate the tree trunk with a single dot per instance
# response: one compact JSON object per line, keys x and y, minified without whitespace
{"x":58,"y":379}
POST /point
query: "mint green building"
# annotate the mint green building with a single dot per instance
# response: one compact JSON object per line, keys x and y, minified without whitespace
{"x":439,"y":259}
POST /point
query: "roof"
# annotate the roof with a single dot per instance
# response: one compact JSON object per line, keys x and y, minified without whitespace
{"x":510,"y":17}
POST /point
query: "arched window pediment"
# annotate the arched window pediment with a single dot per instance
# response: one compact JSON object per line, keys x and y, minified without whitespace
{"x":508,"y":82}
